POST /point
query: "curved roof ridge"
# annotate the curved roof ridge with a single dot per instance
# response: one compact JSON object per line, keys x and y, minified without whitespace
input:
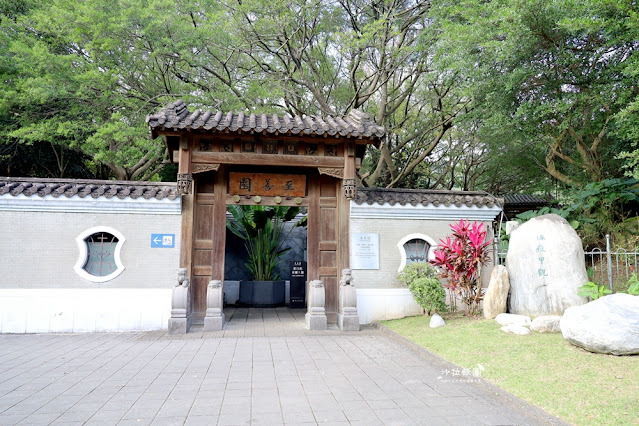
{"x":176,"y":115}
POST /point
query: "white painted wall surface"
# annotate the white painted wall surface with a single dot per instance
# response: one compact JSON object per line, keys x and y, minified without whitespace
{"x":41,"y":292}
{"x":380,"y":294}
{"x":385,"y":303}
{"x":38,"y":249}
{"x":83,"y":310}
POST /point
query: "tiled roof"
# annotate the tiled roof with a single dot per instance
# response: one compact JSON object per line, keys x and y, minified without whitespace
{"x":177,"y":116}
{"x":525,"y":199}
{"x":414,"y":197}
{"x":87,"y":188}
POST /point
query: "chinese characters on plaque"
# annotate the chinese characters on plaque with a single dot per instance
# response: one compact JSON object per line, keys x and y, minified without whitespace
{"x":267,"y":184}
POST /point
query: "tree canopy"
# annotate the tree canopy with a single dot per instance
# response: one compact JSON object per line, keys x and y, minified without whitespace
{"x":499,"y":95}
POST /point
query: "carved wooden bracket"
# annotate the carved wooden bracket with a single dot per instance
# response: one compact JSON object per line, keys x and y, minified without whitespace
{"x":334,"y":172}
{"x":199,"y":168}
{"x":350,"y":188}
{"x":184,"y":183}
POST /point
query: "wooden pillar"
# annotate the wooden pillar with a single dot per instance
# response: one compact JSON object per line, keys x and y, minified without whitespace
{"x":219,"y":224}
{"x":188,"y":210}
{"x":313,"y":233}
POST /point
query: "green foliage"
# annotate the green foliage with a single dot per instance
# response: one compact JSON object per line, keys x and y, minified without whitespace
{"x":593,"y":291}
{"x":421,"y":279}
{"x":610,"y":206}
{"x":633,"y":285}
{"x":261,"y":228}
{"x":527,"y":215}
{"x":554,"y":80}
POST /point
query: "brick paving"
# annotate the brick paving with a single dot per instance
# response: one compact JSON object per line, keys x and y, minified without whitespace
{"x":264,"y":368}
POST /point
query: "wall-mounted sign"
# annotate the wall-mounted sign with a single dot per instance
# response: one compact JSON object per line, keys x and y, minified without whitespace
{"x":162,"y":240}
{"x":365,"y":251}
{"x":267,"y":184}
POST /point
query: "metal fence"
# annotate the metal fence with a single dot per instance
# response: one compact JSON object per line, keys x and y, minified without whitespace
{"x":612,"y":268}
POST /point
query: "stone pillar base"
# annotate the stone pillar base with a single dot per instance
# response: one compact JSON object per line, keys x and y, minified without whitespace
{"x":316,"y":322}
{"x":179,"y":325}
{"x":214,"y":323}
{"x":348,"y":322}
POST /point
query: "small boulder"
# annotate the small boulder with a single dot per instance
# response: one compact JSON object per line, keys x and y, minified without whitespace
{"x":437,"y":321}
{"x":497,"y":293}
{"x":516,"y":329}
{"x":546,"y":324}
{"x":513,"y":319}
{"x":608,"y":325}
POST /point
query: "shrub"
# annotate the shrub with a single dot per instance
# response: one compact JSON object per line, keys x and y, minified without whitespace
{"x":460,"y":261}
{"x":421,"y":280}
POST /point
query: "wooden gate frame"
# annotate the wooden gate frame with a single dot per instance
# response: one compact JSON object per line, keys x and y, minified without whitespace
{"x":327,"y":155}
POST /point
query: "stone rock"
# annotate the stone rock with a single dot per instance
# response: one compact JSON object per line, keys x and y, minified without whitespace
{"x":608,"y":325}
{"x":516,"y":329}
{"x":511,"y":225}
{"x":496,"y":295}
{"x":513,"y":319}
{"x":437,"y":321}
{"x":545,"y":265}
{"x":546,"y":324}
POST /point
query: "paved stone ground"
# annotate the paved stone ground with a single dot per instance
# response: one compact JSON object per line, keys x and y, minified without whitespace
{"x":268,"y":371}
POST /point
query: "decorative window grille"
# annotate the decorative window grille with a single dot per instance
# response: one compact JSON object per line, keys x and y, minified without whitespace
{"x":416,"y":250}
{"x":101,"y":254}
{"x":99,"y":260}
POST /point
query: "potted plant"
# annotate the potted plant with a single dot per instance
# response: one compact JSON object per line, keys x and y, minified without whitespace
{"x":262,"y":228}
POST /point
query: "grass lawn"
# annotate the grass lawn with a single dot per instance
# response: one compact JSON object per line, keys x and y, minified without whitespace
{"x":578,"y":386}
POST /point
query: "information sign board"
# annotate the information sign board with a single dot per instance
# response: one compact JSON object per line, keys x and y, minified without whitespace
{"x":365,"y":251}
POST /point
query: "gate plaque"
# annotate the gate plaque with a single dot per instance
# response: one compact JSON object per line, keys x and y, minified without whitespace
{"x":267,"y":184}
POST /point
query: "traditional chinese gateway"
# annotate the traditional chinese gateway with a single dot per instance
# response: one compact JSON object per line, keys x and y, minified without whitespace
{"x":235,"y":158}
{"x":103,"y":255}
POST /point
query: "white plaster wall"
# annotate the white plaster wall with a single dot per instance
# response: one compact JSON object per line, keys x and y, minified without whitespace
{"x":83,"y":310}
{"x":378,"y":304}
{"x":38,"y":249}
{"x":41,"y":292}
{"x":391,"y":231}
{"x":380,"y":294}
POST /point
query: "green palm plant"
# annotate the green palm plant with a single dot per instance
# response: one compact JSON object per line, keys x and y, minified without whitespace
{"x":261,"y":228}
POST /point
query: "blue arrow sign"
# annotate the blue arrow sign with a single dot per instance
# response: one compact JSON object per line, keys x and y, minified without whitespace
{"x":162,"y":240}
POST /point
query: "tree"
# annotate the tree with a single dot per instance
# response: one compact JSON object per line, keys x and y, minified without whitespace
{"x":554,"y":73}
{"x":329,"y":57}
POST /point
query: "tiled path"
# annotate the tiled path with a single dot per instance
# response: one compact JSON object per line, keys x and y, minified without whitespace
{"x":283,"y":375}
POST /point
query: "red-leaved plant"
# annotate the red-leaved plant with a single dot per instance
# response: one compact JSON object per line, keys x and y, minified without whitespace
{"x":460,"y":260}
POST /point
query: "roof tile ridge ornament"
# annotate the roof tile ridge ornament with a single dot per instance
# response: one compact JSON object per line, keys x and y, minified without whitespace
{"x":358,"y":119}
{"x":311,"y":125}
{"x":226,"y":122}
{"x":277,"y":125}
{"x":331,"y":122}
{"x":325,"y":127}
{"x":346,"y":129}
{"x":239,"y":122}
{"x":263,"y":123}
{"x":191,"y":118}
{"x":299,"y":125}
{"x":202,"y":119}
{"x":288,"y":125}
{"x":213,"y":122}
